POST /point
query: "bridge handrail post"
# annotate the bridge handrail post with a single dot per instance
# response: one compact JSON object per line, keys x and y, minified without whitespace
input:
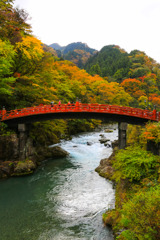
{"x":154,"y":114}
{"x":3,"y":113}
{"x":77,"y":105}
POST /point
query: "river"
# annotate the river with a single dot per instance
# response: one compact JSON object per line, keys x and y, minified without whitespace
{"x":64,"y":199}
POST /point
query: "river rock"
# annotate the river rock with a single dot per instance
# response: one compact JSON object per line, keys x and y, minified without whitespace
{"x":108,"y":130}
{"x":89,"y":143}
{"x":105,"y":168}
{"x":24,"y":168}
{"x":58,"y":152}
{"x":16,"y":168}
{"x":115,"y":144}
{"x":101,"y":135}
{"x":107,"y":145}
{"x":104,"y":140}
{"x":50,"y":152}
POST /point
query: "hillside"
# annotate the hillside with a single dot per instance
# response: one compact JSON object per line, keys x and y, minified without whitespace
{"x":137,"y":73}
{"x":108,"y":61}
{"x":112,"y":61}
{"x":78,"y":52}
{"x":56,"y":46}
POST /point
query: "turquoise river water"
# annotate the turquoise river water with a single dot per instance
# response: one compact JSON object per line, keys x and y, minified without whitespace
{"x":64,"y":199}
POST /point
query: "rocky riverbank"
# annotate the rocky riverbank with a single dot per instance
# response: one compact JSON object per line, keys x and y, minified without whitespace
{"x":105,"y":168}
{"x":136,"y":174}
{"x":12,"y":165}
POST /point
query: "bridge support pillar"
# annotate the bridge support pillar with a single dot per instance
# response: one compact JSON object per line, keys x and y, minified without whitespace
{"x":22,"y":140}
{"x":122,"y":134}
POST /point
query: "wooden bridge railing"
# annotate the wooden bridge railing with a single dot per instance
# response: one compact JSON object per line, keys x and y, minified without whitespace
{"x":78,"y":107}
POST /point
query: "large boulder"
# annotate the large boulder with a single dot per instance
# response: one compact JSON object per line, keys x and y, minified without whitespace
{"x":105,"y":168}
{"x":58,"y":152}
{"x":24,"y":168}
{"x":16,"y":168}
{"x":50,"y":152}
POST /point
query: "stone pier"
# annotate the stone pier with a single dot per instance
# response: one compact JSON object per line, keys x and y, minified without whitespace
{"x":122,"y":134}
{"x":22,"y":140}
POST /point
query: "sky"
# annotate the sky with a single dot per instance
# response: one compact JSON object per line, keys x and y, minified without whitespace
{"x":131,"y":24}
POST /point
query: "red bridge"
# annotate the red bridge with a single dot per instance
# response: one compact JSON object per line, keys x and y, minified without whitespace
{"x":78,"y":110}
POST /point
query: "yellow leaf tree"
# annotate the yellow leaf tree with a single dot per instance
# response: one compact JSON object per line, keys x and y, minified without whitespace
{"x":29,"y":53}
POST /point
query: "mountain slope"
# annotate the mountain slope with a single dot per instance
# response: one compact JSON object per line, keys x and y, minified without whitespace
{"x":78,"y":52}
{"x":109,"y":61}
{"x":113,"y":62}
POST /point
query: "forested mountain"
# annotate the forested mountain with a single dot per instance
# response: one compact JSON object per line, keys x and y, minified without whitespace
{"x":137,"y":73}
{"x":78,"y":52}
{"x":46,"y":48}
{"x":108,"y":62}
{"x":114,"y":62}
{"x":56,"y":46}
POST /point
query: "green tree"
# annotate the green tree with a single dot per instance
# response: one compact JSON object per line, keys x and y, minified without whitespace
{"x":7,"y":54}
{"x":95,"y":70}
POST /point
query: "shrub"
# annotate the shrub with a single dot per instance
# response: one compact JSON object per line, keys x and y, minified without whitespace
{"x":134,"y":164}
{"x":141,"y":215}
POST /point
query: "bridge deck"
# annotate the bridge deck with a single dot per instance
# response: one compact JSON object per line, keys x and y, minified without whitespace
{"x":78,"y":109}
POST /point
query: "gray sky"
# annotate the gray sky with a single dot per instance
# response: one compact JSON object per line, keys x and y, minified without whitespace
{"x":131,"y":24}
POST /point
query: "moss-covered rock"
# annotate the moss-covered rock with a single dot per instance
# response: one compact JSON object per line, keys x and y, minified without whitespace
{"x":50,"y":152}
{"x":24,"y":168}
{"x":105,"y":168}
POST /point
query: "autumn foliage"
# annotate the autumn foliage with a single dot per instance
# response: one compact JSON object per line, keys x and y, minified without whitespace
{"x":136,"y":173}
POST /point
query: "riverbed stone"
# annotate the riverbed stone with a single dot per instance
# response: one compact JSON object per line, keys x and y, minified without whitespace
{"x":50,"y":152}
{"x":115,"y":144}
{"x":24,"y":167}
{"x":105,"y":168}
{"x":101,"y":135}
{"x":108,"y":130}
{"x":104,"y":140}
{"x":58,"y":152}
{"x":108,"y":145}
